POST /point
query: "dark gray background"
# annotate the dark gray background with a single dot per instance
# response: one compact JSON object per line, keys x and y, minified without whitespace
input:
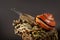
{"x":32,"y":7}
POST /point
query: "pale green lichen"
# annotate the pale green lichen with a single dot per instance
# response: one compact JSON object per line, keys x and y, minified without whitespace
{"x":28,"y":32}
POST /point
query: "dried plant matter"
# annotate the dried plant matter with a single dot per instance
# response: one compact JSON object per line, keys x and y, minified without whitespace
{"x":26,"y":27}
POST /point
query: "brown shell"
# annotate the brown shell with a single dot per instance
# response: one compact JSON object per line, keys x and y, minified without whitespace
{"x":46,"y":21}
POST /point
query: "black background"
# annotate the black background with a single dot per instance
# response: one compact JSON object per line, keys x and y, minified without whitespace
{"x":32,"y":7}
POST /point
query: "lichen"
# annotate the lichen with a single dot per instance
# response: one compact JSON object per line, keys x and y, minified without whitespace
{"x":31,"y":31}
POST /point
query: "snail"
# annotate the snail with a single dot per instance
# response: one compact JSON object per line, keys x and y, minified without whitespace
{"x":46,"y":21}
